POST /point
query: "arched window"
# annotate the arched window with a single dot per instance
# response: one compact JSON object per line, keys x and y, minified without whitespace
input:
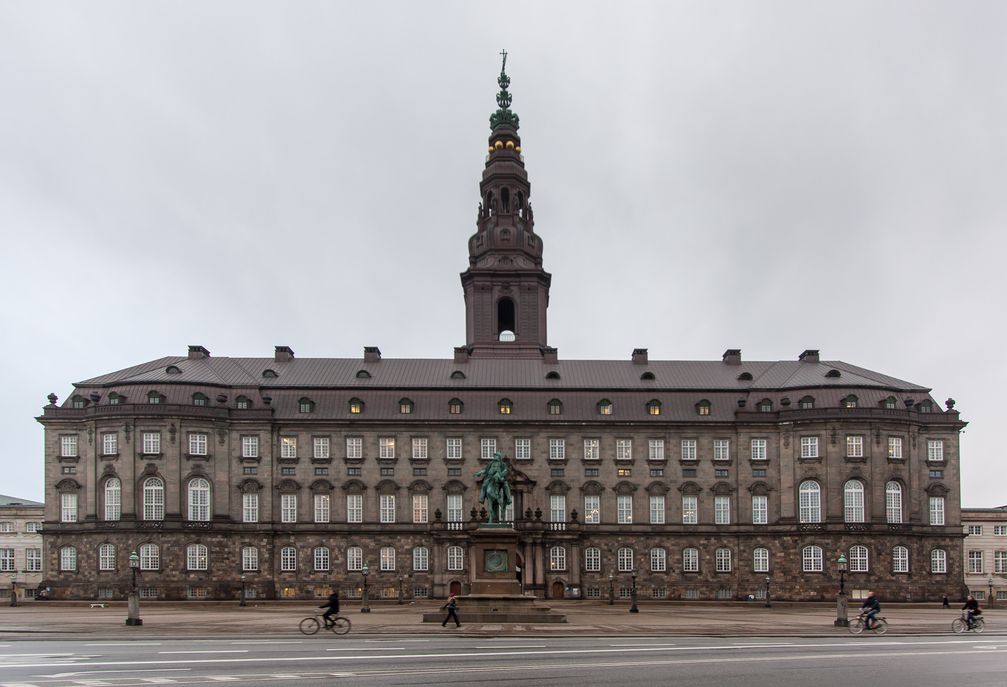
{"x":113,"y":498}
{"x":810,"y":502}
{"x":68,"y":558}
{"x":760,"y":560}
{"x":557,"y":559}
{"x":288,"y":559}
{"x":305,"y":405}
{"x":405,"y":406}
{"x":658,"y":560}
{"x":172,"y":370}
{"x":242,"y":403}
{"x":320,"y":558}
{"x":850,"y":401}
{"x":592,"y":559}
{"x":199,"y":500}
{"x":153,"y":499}
{"x":269,"y":374}
{"x":900,"y":559}
{"x":690,"y":560}
{"x":890,"y":403}
{"x":552,"y":375}
{"x":653,"y":407}
{"x":249,"y":559}
{"x":200,"y":399}
{"x":456,"y":558}
{"x":811,"y":559}
{"x":421,"y":559}
{"x":106,"y":557}
{"x":765,"y":406}
{"x":893,"y":502}
{"x":647,"y":376}
{"x":457,"y":374}
{"x":505,"y":406}
{"x":938,"y":561}
{"x":555,"y":407}
{"x":703,"y":407}
{"x":926,"y":407}
{"x":624,"y":556}
{"x":455,"y":406}
{"x":505,"y":319}
{"x":150,"y":557}
{"x":363,"y":374}
{"x":356,"y":406}
{"x":605,"y":407}
{"x":853,"y":501}
{"x":858,"y":559}
{"x":154,"y":397}
{"x":196,"y":557}
{"x":806,"y":403}
{"x":723,"y":559}
{"x":115,"y":399}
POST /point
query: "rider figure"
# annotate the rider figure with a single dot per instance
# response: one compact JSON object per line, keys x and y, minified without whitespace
{"x":972,"y":606}
{"x":870,"y":608}
{"x":332,"y":606}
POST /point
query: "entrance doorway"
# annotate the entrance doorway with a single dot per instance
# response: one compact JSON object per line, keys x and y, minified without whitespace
{"x":455,"y":587}
{"x":558,"y":589}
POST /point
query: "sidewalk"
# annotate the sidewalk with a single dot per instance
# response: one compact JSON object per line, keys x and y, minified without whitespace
{"x":584,"y":618}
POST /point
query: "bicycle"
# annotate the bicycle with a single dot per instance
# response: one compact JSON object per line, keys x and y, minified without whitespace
{"x":880,"y":625}
{"x":310,"y":625}
{"x":960,"y":625}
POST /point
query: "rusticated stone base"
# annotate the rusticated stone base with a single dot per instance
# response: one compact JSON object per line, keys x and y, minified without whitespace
{"x":499,"y":608}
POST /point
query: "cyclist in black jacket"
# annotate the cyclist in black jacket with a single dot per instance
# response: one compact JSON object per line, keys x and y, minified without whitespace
{"x":972,"y":606}
{"x":331,"y":606}
{"x":870,"y":608}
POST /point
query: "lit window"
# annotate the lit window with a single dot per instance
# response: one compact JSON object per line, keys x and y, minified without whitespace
{"x":690,"y":510}
{"x":654,"y":407}
{"x":505,"y":407}
{"x":605,"y":407}
{"x":703,"y":408}
{"x":356,"y":406}
{"x":386,"y":448}
{"x":455,"y":406}
{"x":850,"y":402}
{"x":592,"y":509}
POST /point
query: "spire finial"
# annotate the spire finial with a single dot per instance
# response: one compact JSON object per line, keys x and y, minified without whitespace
{"x":504,"y":114}
{"x":503,"y":67}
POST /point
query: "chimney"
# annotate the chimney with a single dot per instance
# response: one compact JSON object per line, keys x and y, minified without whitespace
{"x":283,"y":353}
{"x":372,"y":354}
{"x":461,"y":354}
{"x":809,"y":356}
{"x":197,"y":352}
{"x":732,"y":356}
{"x":639,"y":356}
{"x":550,"y":355}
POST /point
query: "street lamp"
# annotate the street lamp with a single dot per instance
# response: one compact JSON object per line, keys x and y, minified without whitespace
{"x":768,"y":605}
{"x":989,"y":602}
{"x":364,"y":607}
{"x":632,"y":596}
{"x":243,"y":601}
{"x":133,"y":602}
{"x":842,"y":619}
{"x":611,"y":590}
{"x":13,"y":589}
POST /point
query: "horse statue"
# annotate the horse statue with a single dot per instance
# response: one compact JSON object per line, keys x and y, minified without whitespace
{"x":495,"y":490}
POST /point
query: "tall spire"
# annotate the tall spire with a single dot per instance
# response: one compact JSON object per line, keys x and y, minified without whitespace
{"x":504,"y":115}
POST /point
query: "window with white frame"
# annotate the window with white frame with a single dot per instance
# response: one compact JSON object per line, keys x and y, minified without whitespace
{"x":893,"y":502}
{"x":354,"y":559}
{"x":33,"y":560}
{"x":456,"y":558}
{"x":592,"y":559}
{"x":854,"y":446}
{"x":199,"y":500}
{"x":354,"y":508}
{"x":624,"y":509}
{"x":758,"y":449}
{"x":624,"y":449}
{"x":655,"y":449}
{"x":68,"y":507}
{"x":557,"y":508}
{"x":658,"y":560}
{"x":975,"y":562}
{"x":935,"y":449}
{"x":900,"y":559}
{"x":999,"y":530}
{"x":113,"y":498}
{"x":557,"y":449}
{"x":150,"y":557}
{"x":454,"y":507}
{"x":68,"y":558}
{"x":421,"y":448}
{"x":288,"y":508}
{"x":690,"y":509}
{"x":853,"y":501}
{"x":288,"y":559}
{"x":321,"y":447}
{"x":624,"y":556}
{"x":592,"y":509}
{"x":106,"y":557}
{"x":721,"y":449}
{"x":657,"y":509}
{"x":32,"y":526}
{"x":151,"y":443}
{"x":936,"y":510}
{"x":110,"y":443}
{"x":322,"y":503}
{"x":974,"y":529}
{"x":690,"y":560}
{"x":810,"y":502}
{"x":421,"y":508}
{"x":250,"y":508}
{"x":557,"y":559}
{"x":522,"y":449}
{"x":1000,"y":562}
{"x":321,"y":559}
{"x":858,"y":559}
{"x":722,"y":510}
{"x":153,"y":499}
{"x":454,"y":448}
{"x":592,"y":449}
{"x":354,"y":448}
{"x":688,"y":449}
{"x":809,"y":447}
{"x":386,"y":503}
{"x":895,"y":448}
{"x":760,"y":510}
{"x":421,"y":559}
{"x":760,"y":560}
{"x":386,"y":557}
{"x":938,"y":561}
{"x":811,"y":559}
{"x":386,"y":448}
{"x":288,"y":447}
{"x":68,"y":446}
{"x":196,"y":557}
{"x":197,"y":444}
{"x":249,"y":446}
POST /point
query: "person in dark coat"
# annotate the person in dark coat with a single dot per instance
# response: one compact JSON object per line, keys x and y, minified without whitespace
{"x":945,"y":603}
{"x":452,"y":608}
{"x":870,"y":608}
{"x":972,"y":606}
{"x":331,"y":606}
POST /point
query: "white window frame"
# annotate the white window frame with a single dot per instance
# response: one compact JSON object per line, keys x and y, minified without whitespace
{"x":689,"y":451}
{"x":624,"y":509}
{"x":354,"y":448}
{"x":198,"y":493}
{"x":150,"y":557}
{"x":321,"y":447}
{"x":106,"y":557}
{"x":420,"y":448}
{"x":854,"y":510}
{"x":386,"y":559}
{"x":109,"y":443}
{"x":809,"y":502}
{"x":487,"y":448}
{"x":811,"y":559}
{"x":900,"y":559}
{"x":936,"y":510}
{"x":386,"y":448}
{"x":455,"y":507}
{"x":196,"y":557}
{"x":759,"y":449}
{"x":624,"y":449}
{"x":112,"y":492}
{"x":322,"y":507}
{"x":557,"y":507}
{"x":721,"y":510}
{"x":625,"y":558}
{"x":893,"y":502}
{"x":421,"y":509}
{"x":386,"y":503}
{"x":935,"y":450}
{"x":592,"y":509}
{"x":592,"y":559}
{"x":655,"y":449}
{"x":153,"y":499}
{"x":250,"y":446}
{"x":455,"y":558}
{"x":895,"y":448}
{"x":557,"y":559}
{"x":592,"y":449}
{"x":151,"y":443}
{"x":557,"y":449}
{"x":321,"y":559}
{"x":68,"y":446}
{"x":288,"y":447}
{"x":690,"y":559}
{"x":760,"y":559}
{"x":690,"y":509}
{"x":354,"y":508}
{"x":722,"y":450}
{"x":421,"y":559}
{"x":854,"y":445}
{"x":939,"y":561}
{"x":68,"y":558}
{"x":33,"y":559}
{"x":657,"y":509}
{"x":198,"y":443}
{"x":809,"y":447}
{"x":250,"y":507}
{"x":288,"y":559}
{"x":760,"y":509}
{"x":859,"y":559}
{"x":288,"y":508}
{"x":974,"y":561}
{"x":658,"y":559}
{"x":453,"y":448}
{"x":522,"y":449}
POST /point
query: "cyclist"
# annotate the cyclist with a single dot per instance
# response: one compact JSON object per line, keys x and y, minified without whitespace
{"x":870,"y":608}
{"x":972,"y":606}
{"x":332,"y":606}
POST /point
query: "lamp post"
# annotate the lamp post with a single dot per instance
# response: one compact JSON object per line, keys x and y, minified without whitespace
{"x":13,"y":589}
{"x":632,"y":596}
{"x":989,"y":602}
{"x":364,"y":606}
{"x":402,"y":598}
{"x":768,"y":604}
{"x":244,"y":596}
{"x":133,"y":602}
{"x":611,"y":590}
{"x":842,"y":619}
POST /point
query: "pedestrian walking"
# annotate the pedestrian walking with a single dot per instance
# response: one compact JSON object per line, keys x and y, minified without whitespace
{"x":452,"y":608}
{"x":945,"y":602}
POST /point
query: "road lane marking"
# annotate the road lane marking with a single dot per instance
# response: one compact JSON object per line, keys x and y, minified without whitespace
{"x":515,"y":646}
{"x":367,"y":648}
{"x":222,"y":678}
{"x":207,"y":651}
{"x":130,"y":670}
{"x":267,"y":641}
{"x":17,"y":684}
{"x":159,"y":680}
{"x":642,"y":645}
{"x":125,"y":644}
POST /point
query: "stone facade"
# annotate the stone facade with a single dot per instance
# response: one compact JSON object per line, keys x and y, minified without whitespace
{"x":985,"y":554}
{"x":20,"y":548}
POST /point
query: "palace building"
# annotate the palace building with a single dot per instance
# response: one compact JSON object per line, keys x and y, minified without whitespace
{"x":284,"y":476}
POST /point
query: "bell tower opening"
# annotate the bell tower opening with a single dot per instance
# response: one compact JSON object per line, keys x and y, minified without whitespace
{"x":505,"y":319}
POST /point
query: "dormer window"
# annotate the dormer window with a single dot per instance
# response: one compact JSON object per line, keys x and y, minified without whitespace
{"x":200,"y":399}
{"x":356,"y":406}
{"x":455,"y":406}
{"x":552,"y":375}
{"x":605,"y":407}
{"x":850,"y":401}
{"x":269,"y":374}
{"x":703,"y":407}
{"x":647,"y":376}
{"x":405,"y":407}
{"x":457,"y":374}
{"x":172,"y":370}
{"x":890,"y":403}
{"x":78,"y":402}
{"x":154,"y":398}
{"x":745,"y":377}
{"x":806,"y":403}
{"x":242,"y":403}
{"x":115,"y":399}
{"x":833,"y":374}
{"x":505,"y":406}
{"x":305,"y":405}
{"x":654,"y":407}
{"x":926,"y":407}
{"x":765,"y":406}
{"x":363,"y":374}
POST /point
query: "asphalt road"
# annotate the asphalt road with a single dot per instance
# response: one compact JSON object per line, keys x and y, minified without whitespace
{"x":973,"y":660}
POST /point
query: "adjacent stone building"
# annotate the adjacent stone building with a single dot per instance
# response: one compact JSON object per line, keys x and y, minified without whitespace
{"x":985,"y":555}
{"x":695,"y":479}
{"x":20,"y":548}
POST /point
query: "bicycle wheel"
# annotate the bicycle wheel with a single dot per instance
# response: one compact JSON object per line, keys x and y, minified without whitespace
{"x":856,"y":626}
{"x":881,"y":627}
{"x":958,"y":626}
{"x":309,"y":626}
{"x":980,"y":625}
{"x":341,"y":625}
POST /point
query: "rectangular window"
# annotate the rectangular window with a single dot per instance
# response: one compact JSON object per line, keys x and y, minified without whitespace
{"x":557,"y":559}
{"x":249,"y":558}
{"x":655,"y":449}
{"x":1000,"y":530}
{"x":557,"y":508}
{"x":288,"y":447}
{"x":721,"y":474}
{"x":197,"y":444}
{"x":6,"y":560}
{"x":592,"y":472}
{"x":1000,"y":562}
{"x":386,"y":556}
{"x":354,"y":508}
{"x":758,"y":449}
{"x":592,"y":510}
{"x":975,"y":529}
{"x":454,"y":505}
{"x":975,"y":559}
{"x":151,"y":443}
{"x":249,"y":446}
{"x":657,"y":509}
{"x":109,"y":443}
{"x":895,"y":448}
{"x":386,"y":448}
{"x":33,"y":560}
{"x":935,"y":449}
{"x":250,"y":508}
{"x":321,"y":559}
{"x":657,"y":472}
{"x":288,"y":508}
{"x":722,"y":510}
{"x":854,"y":446}
{"x":658,"y":560}
{"x":624,"y":449}
{"x":809,"y":447}
{"x":688,"y":449}
{"x":592,"y":449}
{"x":68,"y":507}
{"x":690,"y":510}
{"x":592,"y":559}
{"x":420,"y":508}
{"x":900,"y":559}
{"x":355,"y":448}
{"x":454,"y":448}
{"x":456,"y":558}
{"x":721,"y":449}
{"x":421,"y":448}
{"x":68,"y":446}
{"x":522,"y":449}
{"x":936,"y":510}
{"x":321,"y":507}
{"x":557,"y":449}
{"x":624,"y":509}
{"x":624,"y":558}
{"x":760,"y":510}
{"x":421,"y":559}
{"x":487,"y":447}
{"x":723,"y":558}
{"x":760,"y":562}
{"x":321,"y":448}
{"x":387,"y":508}
{"x":288,"y":559}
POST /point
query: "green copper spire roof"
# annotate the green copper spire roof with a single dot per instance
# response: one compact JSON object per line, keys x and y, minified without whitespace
{"x":504,"y":114}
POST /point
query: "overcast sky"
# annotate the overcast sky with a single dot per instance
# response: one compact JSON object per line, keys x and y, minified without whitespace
{"x":770,"y":176}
